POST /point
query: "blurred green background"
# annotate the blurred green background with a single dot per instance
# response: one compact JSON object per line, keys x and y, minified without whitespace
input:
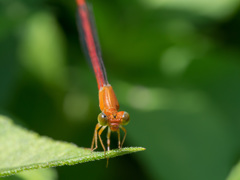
{"x":174,"y":65}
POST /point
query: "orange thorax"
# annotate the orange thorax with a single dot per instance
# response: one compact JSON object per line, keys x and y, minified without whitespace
{"x":109,"y":106}
{"x":107,"y":100}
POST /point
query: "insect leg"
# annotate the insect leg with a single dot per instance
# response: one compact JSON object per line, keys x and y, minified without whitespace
{"x":95,"y":137}
{"x":125,"y":134}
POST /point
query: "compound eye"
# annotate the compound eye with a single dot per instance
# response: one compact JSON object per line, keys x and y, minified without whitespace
{"x":125,"y":118}
{"x":102,"y":119}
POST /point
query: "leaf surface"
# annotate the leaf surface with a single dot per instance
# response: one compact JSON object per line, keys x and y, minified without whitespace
{"x":21,"y":149}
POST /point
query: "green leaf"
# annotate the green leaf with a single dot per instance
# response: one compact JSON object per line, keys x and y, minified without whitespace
{"x":235,"y":173}
{"x":39,"y":174}
{"x":24,"y":150}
